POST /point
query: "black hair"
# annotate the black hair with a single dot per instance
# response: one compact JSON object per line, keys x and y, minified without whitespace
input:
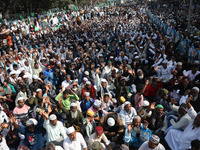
{"x":195,"y":143}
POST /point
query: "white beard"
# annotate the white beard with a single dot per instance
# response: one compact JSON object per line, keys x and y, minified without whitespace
{"x":141,"y":77}
{"x":73,"y":114}
{"x":195,"y":98}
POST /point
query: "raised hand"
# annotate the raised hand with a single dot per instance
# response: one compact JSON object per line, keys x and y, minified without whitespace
{"x":173,"y":101}
{"x":129,"y":128}
{"x":146,"y":123}
{"x":152,"y":106}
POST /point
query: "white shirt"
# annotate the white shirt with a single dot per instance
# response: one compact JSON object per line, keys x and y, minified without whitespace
{"x":3,"y":144}
{"x":191,"y":75}
{"x":145,"y":146}
{"x":76,"y":144}
{"x":127,"y":118}
{"x":54,"y":132}
{"x":65,"y":84}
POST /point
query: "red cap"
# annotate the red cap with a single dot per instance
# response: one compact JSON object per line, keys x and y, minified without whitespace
{"x":99,"y":129}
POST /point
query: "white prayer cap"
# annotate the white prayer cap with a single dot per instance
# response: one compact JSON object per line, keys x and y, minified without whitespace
{"x":52,"y":117}
{"x":86,"y":73}
{"x":20,"y":98}
{"x":75,"y":58}
{"x":196,"y":88}
{"x":136,"y":57}
{"x":12,"y":72}
{"x":22,"y":69}
{"x":126,"y":103}
{"x":88,"y":82}
{"x":135,"y":53}
{"x":155,"y":139}
{"x":180,"y":63}
{"x":73,"y":105}
{"x":43,"y":58}
{"x":196,"y":62}
{"x":87,"y":94}
{"x":35,"y":77}
{"x":38,"y":90}
{"x":70,"y":130}
{"x":85,"y":79}
{"x":25,"y":76}
{"x":139,"y":70}
{"x":29,"y":122}
{"x":103,"y":80}
{"x":35,"y":122}
{"x":136,"y":117}
{"x":111,"y":122}
{"x":58,"y":62}
{"x":19,"y":78}
{"x":111,"y":57}
{"x":145,"y":103}
{"x":97,"y":103}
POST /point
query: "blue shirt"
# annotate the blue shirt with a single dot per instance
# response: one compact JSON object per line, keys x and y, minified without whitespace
{"x":88,"y":104}
{"x":34,"y":140}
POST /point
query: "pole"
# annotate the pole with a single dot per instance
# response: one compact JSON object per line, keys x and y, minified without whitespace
{"x":189,"y":16}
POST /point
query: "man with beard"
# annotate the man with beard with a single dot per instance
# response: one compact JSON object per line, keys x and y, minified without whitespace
{"x":137,"y":133}
{"x":152,"y":144}
{"x":156,"y":121}
{"x":195,"y":102}
{"x":55,"y":129}
{"x":89,"y":88}
{"x":127,"y":114}
{"x":74,"y":140}
{"x":35,"y":84}
{"x":74,"y":117}
{"x":33,"y":133}
{"x":37,"y":96}
{"x":180,"y":140}
{"x":140,"y":78}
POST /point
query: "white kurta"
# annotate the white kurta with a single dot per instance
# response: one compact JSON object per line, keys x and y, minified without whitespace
{"x":127,"y":118}
{"x":76,"y":144}
{"x":180,"y":140}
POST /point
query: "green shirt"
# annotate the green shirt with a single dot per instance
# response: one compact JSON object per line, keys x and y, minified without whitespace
{"x":66,"y":102}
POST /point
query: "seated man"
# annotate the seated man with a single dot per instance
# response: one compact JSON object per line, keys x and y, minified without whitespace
{"x":108,"y":103}
{"x":145,"y":110}
{"x":22,"y":110}
{"x":89,"y":125}
{"x":54,"y":129}
{"x":99,"y":136}
{"x":33,"y":133}
{"x":66,"y":98}
{"x":98,"y":111}
{"x":112,"y":126}
{"x":178,"y":140}
{"x":74,"y":140}
{"x":137,"y":133}
{"x":86,"y":103}
{"x":127,"y":114}
{"x":153,"y":143}
{"x":157,"y":120}
{"x":73,"y":117}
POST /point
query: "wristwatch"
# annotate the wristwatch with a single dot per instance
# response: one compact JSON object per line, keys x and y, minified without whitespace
{"x":117,"y":135}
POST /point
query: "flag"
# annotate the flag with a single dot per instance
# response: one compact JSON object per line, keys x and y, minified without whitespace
{"x":32,"y":14}
{"x":20,"y":16}
{"x":75,"y":8}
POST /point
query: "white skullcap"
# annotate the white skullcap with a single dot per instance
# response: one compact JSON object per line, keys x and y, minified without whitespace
{"x":38,"y":90}
{"x":19,"y":78}
{"x":126,"y":103}
{"x":137,"y":117}
{"x":145,"y":103}
{"x":35,"y":77}
{"x":70,"y":130}
{"x":179,"y":63}
{"x":25,"y":76}
{"x":87,"y":94}
{"x":35,"y":122}
{"x":155,"y":139}
{"x":136,"y":57}
{"x":88,"y":82}
{"x":97,"y":103}
{"x":196,"y":88}
{"x":139,"y":70}
{"x":20,"y":98}
{"x":73,"y":105}
{"x":52,"y":117}
{"x":86,"y":73}
{"x":22,"y":69}
{"x":103,"y":80}
{"x":196,"y":62}
{"x":111,"y":57}
{"x":85,"y":79}
{"x":12,"y":72}
{"x":29,"y":122}
{"x":111,"y":122}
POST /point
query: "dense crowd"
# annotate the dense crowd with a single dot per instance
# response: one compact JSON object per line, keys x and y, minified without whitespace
{"x":97,"y":79}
